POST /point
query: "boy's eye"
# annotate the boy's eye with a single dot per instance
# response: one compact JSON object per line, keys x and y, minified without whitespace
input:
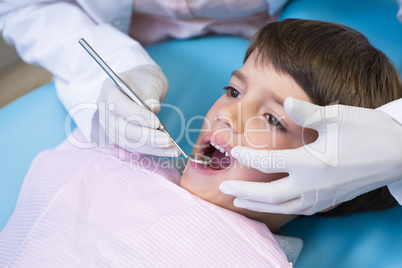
{"x":273,"y":121}
{"x":231,"y":92}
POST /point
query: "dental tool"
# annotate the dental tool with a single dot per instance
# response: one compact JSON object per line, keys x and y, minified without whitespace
{"x":197,"y":158}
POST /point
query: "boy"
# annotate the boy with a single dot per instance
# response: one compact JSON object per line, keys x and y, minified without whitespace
{"x":86,"y":208}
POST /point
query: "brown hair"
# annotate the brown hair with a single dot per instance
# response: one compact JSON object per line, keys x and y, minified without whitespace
{"x":332,"y":63}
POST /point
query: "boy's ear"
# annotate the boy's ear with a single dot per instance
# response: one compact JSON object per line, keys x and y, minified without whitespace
{"x":328,"y":209}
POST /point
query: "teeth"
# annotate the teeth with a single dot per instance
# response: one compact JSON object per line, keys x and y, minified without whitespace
{"x":219,"y":148}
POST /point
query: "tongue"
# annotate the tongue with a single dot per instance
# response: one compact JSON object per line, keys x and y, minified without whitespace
{"x":219,"y":160}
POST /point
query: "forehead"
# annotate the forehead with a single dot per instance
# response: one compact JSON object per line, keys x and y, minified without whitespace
{"x":259,"y":76}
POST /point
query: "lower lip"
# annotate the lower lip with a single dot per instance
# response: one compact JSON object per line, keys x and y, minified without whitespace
{"x":205,"y":169}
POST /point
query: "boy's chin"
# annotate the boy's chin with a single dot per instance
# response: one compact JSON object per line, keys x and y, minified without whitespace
{"x":186,"y":168}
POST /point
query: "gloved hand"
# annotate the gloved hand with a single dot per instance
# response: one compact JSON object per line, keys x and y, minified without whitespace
{"x":130,"y":126}
{"x":358,"y":150}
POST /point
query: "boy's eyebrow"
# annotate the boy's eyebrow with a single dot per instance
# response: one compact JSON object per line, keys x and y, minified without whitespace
{"x":239,"y":75}
{"x":277,"y":99}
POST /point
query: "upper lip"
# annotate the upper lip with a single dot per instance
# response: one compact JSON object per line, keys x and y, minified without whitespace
{"x":217,"y":140}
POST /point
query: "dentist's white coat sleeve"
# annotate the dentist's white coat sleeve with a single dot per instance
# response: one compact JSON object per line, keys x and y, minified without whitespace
{"x":46,"y":33}
{"x":276,"y":5}
{"x":394,"y":109}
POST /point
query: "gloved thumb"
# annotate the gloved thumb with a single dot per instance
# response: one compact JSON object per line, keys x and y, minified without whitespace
{"x":263,"y":160}
{"x":150,"y":84}
{"x":310,"y":115}
{"x":151,"y":99}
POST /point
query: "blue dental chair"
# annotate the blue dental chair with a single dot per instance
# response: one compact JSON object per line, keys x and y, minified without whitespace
{"x":35,"y":122}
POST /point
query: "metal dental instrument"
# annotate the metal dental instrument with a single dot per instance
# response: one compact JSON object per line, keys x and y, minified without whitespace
{"x":197,"y":158}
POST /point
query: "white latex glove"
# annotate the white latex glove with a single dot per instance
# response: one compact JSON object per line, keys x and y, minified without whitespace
{"x":130,"y":126}
{"x":357,"y":150}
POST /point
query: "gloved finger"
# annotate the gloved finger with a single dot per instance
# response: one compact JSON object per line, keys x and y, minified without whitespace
{"x":166,"y":152}
{"x":118,"y":104}
{"x":127,"y":131}
{"x":289,"y":207}
{"x":287,"y":160}
{"x":274,"y":161}
{"x":151,"y":99}
{"x":147,"y":78}
{"x":134,"y":114}
{"x":310,"y":115}
{"x":154,"y":105}
{"x":163,"y":152}
{"x":273,"y":193}
{"x":150,"y":93}
{"x":150,"y":89}
{"x":262,"y":160}
{"x":150,"y":141}
{"x":155,"y":138}
{"x":124,"y":133}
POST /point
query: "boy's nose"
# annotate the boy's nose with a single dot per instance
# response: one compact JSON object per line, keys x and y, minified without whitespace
{"x":234,"y":116}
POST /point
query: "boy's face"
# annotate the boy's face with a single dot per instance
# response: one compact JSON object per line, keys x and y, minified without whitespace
{"x":250,"y":113}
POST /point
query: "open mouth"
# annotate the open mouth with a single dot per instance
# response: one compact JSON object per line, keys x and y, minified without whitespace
{"x":220,"y":158}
